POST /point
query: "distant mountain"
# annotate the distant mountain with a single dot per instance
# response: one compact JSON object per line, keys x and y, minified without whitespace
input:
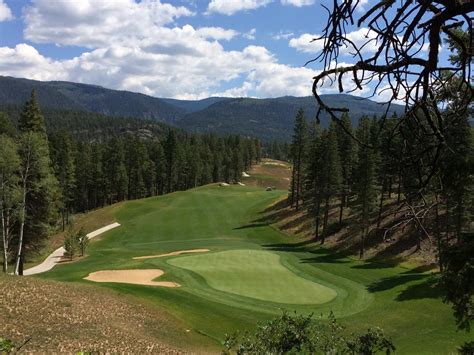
{"x":266,"y":119}
{"x":190,"y":106}
{"x":274,"y":118}
{"x":91,"y":98}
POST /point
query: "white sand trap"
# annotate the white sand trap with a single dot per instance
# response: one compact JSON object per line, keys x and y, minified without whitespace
{"x":223,"y":184}
{"x":174,"y":253}
{"x":135,"y":277}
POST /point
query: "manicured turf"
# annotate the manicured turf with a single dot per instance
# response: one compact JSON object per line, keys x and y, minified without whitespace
{"x":405,"y":303}
{"x":255,"y":274}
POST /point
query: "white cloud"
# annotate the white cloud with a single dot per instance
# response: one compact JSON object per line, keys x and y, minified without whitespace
{"x":250,"y":34}
{"x":282,"y":35}
{"x":216,"y":33}
{"x":5,"y":12}
{"x":298,"y":3}
{"x":138,"y":47}
{"x":230,"y":7}
{"x":25,"y":61}
{"x":306,"y":43}
{"x":92,"y":23}
{"x":363,"y":39}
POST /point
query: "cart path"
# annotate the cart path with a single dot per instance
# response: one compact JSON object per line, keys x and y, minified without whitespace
{"x":56,"y":255}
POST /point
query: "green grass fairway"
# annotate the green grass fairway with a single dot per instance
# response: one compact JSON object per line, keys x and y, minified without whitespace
{"x":253,"y":270}
{"x":255,"y":274}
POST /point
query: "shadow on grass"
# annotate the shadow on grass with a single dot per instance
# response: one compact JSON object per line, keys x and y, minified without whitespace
{"x":427,"y":288}
{"x":252,"y":225}
{"x":430,"y":288}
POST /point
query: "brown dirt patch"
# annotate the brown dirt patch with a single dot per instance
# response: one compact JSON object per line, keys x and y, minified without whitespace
{"x":174,"y":253}
{"x":135,"y":277}
{"x":68,"y":318}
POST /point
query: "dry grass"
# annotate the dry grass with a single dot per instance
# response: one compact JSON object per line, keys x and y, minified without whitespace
{"x":60,"y":317}
{"x":400,"y":248}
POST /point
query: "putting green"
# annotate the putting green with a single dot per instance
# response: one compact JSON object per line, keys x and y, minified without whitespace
{"x":255,"y":274}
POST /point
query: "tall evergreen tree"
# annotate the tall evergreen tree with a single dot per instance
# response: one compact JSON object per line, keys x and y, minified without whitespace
{"x":38,"y":185}
{"x":299,"y":151}
{"x":347,"y":150}
{"x":365,"y":185}
{"x":332,"y":177}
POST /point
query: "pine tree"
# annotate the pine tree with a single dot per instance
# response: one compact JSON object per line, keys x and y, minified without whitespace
{"x":31,"y":119}
{"x":347,"y":150}
{"x":64,"y":164}
{"x":314,"y":177}
{"x":332,"y":178}
{"x":39,"y":190}
{"x":171,"y":160}
{"x":299,"y":151}
{"x":365,"y":182}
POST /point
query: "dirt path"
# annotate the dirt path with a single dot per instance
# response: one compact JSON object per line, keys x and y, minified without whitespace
{"x":56,"y":255}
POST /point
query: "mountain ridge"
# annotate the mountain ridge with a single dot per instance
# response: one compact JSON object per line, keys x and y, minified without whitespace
{"x":265,"y":118}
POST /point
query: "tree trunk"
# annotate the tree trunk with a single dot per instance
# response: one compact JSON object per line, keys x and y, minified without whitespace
{"x":22,"y":228}
{"x":326,"y":217}
{"x":292,"y":194}
{"x":438,"y":234}
{"x":318,"y":208}
{"x":298,"y":183}
{"x":390,"y":187}
{"x":5,"y":242}
{"x":362,"y":242}
{"x":341,"y":209}
{"x":379,"y":219}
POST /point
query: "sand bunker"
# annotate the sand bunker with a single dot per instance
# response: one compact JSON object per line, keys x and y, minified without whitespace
{"x":174,"y":253}
{"x":136,"y":277}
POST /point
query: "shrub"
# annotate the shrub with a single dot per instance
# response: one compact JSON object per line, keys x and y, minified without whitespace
{"x":292,"y":334}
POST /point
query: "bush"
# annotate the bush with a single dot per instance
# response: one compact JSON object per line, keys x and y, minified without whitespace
{"x":70,"y":245}
{"x":6,"y":345}
{"x":301,"y":334}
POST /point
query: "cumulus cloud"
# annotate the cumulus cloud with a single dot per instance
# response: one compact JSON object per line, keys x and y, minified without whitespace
{"x":230,"y":7}
{"x":92,"y":23}
{"x":298,"y":3}
{"x":138,"y":47}
{"x":5,"y":12}
{"x":25,"y":61}
{"x":217,"y":33}
{"x":362,"y":38}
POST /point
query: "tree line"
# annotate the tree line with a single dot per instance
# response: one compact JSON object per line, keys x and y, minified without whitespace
{"x":46,"y":177}
{"x":361,"y":177}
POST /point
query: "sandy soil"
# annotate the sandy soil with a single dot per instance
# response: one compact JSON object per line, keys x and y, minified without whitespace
{"x":136,"y":277}
{"x":174,"y":253}
{"x":68,"y":318}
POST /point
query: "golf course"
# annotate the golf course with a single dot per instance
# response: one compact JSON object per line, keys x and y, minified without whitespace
{"x":209,"y":258}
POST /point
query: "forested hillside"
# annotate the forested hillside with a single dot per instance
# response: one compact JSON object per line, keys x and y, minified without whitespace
{"x":272,"y":119}
{"x":47,"y":175}
{"x":91,"y":98}
{"x":267,"y":119}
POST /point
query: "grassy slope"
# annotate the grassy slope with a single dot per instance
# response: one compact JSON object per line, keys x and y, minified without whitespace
{"x":401,"y":301}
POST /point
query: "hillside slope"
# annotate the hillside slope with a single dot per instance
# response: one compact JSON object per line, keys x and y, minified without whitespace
{"x":274,"y":118}
{"x":65,"y":318}
{"x":91,"y":98}
{"x":267,"y":119}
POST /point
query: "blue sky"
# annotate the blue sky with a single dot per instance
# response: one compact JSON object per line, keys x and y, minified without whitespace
{"x":183,"y":48}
